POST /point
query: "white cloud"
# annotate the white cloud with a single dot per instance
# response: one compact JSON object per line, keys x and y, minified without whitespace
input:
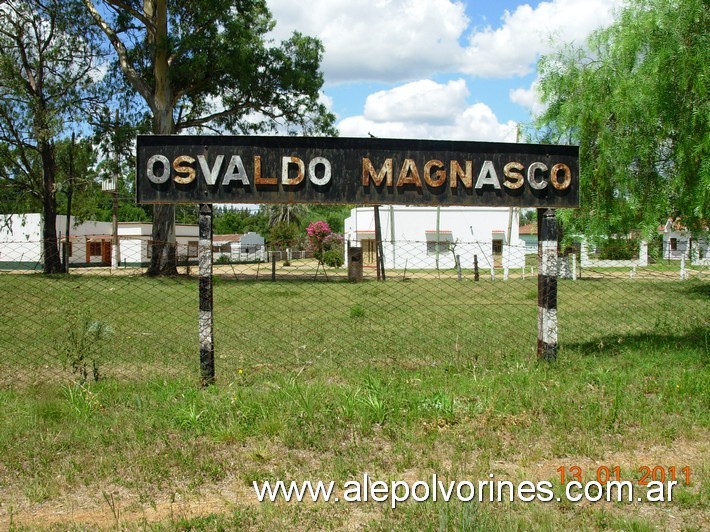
{"x":399,"y":40}
{"x":384,"y":40}
{"x":528,"y":98}
{"x":427,"y":110}
{"x":325,"y":100}
{"x":512,"y":49}
{"x":420,"y":101}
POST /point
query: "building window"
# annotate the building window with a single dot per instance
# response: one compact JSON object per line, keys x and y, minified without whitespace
{"x":674,"y":244}
{"x":192,"y":248}
{"x":94,"y":249}
{"x":497,"y":247}
{"x":433,"y":247}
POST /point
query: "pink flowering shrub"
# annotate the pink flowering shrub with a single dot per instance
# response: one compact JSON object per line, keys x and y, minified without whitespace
{"x":317,"y":231}
{"x":326,"y":245}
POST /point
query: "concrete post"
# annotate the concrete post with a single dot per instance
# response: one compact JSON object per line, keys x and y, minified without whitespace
{"x":547,"y":285}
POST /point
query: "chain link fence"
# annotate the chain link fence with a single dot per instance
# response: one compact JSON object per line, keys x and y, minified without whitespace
{"x":457,"y":307}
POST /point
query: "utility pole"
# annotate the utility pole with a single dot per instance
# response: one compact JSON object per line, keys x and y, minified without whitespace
{"x":115,"y":248}
{"x":70,"y":185}
{"x":508,"y":235}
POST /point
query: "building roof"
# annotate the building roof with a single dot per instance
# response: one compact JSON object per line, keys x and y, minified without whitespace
{"x":672,"y":224}
{"x":528,"y":229}
{"x":226,"y":238}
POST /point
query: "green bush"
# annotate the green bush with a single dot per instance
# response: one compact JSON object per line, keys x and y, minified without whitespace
{"x":86,"y":345}
{"x":357,"y":311}
{"x":619,"y":249}
{"x":333,"y":258}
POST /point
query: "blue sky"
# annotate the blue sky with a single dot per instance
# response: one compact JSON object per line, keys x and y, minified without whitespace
{"x":436,"y":68}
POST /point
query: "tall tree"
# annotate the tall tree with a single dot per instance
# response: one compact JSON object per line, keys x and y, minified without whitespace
{"x":208,"y":65}
{"x":46,"y":66}
{"x":237,"y":221}
{"x":290,"y":213}
{"x":636,"y":100}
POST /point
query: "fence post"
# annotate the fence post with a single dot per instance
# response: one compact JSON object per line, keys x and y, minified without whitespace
{"x":379,"y":254}
{"x":475,"y":268}
{"x":273,"y":266}
{"x":574,"y":266}
{"x":683,"y":270}
{"x":206,"y":319}
{"x":547,"y":285}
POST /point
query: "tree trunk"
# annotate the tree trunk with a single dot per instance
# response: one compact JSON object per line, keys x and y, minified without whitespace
{"x":163,"y":260}
{"x":50,"y":248}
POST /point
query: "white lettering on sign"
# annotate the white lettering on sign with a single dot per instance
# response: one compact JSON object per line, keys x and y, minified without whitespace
{"x":240,"y":175}
{"x":312,"y":171}
{"x":211,"y":174}
{"x":185,"y":169}
{"x":535,"y":181}
{"x":487,"y":176}
{"x":293,"y":171}
{"x":560,"y":176}
{"x":164,"y":174}
{"x":286,"y":164}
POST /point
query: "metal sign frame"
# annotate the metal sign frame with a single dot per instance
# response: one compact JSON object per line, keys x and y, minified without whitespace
{"x":205,"y":170}
{"x":362,"y":171}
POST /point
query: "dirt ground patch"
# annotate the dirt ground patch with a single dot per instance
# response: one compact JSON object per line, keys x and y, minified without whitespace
{"x":107,"y":507}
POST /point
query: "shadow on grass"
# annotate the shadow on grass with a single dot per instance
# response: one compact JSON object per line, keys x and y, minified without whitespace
{"x":698,"y":289}
{"x":697,"y":338}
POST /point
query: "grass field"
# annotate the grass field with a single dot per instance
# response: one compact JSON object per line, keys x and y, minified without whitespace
{"x":328,"y":381}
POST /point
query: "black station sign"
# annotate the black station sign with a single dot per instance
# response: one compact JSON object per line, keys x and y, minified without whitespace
{"x":362,"y":171}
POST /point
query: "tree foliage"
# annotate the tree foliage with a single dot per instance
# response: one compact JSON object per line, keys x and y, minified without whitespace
{"x":239,"y":221}
{"x":326,"y":245}
{"x":284,"y":235}
{"x":47,"y":70}
{"x":335,"y":215}
{"x":289,"y":213}
{"x":208,"y":65}
{"x":637,"y":103}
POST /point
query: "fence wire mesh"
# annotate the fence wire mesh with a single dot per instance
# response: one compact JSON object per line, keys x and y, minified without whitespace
{"x":450,"y":309}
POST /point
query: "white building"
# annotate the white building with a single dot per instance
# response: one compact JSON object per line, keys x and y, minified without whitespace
{"x":89,"y":242}
{"x":136,"y":245}
{"x":678,"y":243}
{"x":528,"y":234}
{"x":249,"y":247}
{"x":431,"y":237}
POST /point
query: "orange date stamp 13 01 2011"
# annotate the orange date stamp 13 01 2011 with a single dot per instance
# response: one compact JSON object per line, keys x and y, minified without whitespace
{"x":642,"y":475}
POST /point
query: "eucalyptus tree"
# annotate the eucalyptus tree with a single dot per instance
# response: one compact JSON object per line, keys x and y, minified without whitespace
{"x":47,"y":69}
{"x":636,"y":100}
{"x":209,"y":65}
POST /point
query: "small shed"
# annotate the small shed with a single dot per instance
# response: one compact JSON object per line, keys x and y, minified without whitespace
{"x":528,"y":234}
{"x":679,"y":242}
{"x":248,"y":247}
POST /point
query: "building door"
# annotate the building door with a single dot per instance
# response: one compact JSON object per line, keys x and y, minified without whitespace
{"x":369,"y":252}
{"x":106,"y":251}
{"x":497,"y":253}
